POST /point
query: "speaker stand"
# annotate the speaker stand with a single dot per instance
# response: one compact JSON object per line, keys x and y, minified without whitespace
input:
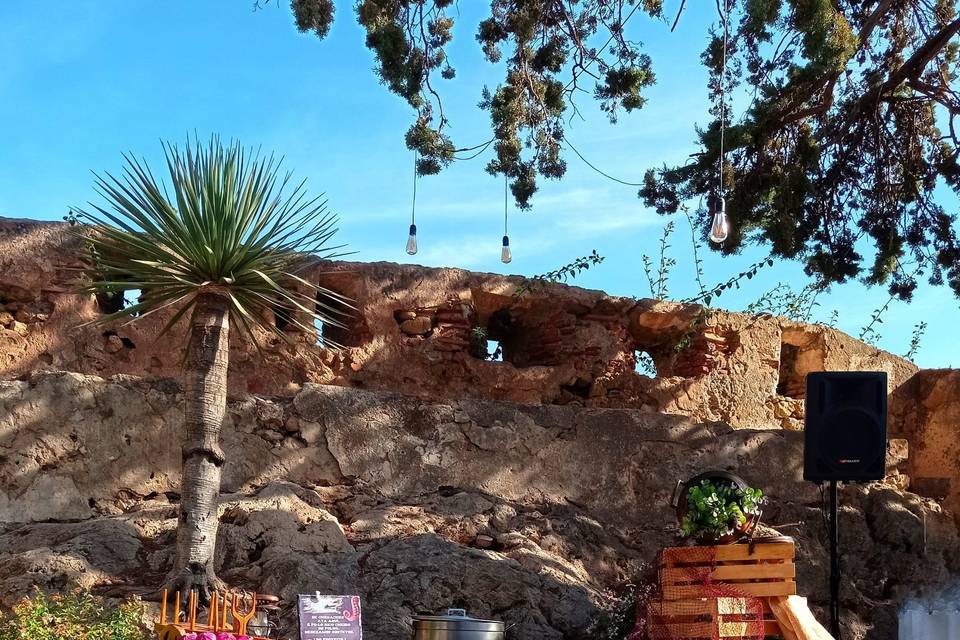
{"x":834,"y":562}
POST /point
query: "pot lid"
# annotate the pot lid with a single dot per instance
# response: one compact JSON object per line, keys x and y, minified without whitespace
{"x":456,"y":619}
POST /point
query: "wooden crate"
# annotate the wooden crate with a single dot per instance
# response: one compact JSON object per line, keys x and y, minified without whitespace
{"x":709,"y":618}
{"x":763,"y":570}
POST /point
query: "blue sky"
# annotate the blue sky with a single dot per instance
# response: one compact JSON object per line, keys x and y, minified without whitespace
{"x":83,"y":81}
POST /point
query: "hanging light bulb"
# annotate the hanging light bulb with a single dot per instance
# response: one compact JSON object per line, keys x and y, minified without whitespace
{"x":412,"y":240}
{"x":505,"y":255}
{"x":719,"y":225}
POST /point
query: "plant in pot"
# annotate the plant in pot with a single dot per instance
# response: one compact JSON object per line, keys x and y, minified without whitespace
{"x":718,"y":508}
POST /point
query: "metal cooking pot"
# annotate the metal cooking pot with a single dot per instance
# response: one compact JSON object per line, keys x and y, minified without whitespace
{"x":456,"y":625}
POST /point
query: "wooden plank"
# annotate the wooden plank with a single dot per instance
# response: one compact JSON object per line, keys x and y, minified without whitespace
{"x":692,"y":607}
{"x":728,"y":606}
{"x":763,"y":551}
{"x":711,"y":630}
{"x":730,"y":572}
{"x":792,"y":613}
{"x":704,"y":606}
{"x":754,"y":571}
{"x":741,"y":629}
{"x":787,"y":634}
{"x":688,"y":629}
{"x":757,"y":589}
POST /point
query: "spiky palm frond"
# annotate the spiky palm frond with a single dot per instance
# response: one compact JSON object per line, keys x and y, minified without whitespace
{"x":226,"y":219}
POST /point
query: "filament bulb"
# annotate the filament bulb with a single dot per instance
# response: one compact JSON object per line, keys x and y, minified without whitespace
{"x":720,"y":225}
{"x":412,"y":240}
{"x":505,"y":255}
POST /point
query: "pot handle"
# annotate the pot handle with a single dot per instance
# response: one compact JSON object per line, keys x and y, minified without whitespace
{"x":457,"y":613}
{"x":675,"y":498}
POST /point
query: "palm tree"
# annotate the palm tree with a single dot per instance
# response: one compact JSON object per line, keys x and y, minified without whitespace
{"x":225,"y":241}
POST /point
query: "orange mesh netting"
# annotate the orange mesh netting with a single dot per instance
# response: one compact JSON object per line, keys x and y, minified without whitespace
{"x":693,"y":605}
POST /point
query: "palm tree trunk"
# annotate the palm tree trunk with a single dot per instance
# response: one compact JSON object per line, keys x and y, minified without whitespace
{"x":205,"y":406}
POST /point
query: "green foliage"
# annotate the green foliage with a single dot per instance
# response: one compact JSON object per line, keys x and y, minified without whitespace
{"x":74,"y":616}
{"x":834,"y":319}
{"x":698,"y":323}
{"x":716,"y":509}
{"x":549,"y":53}
{"x":563,"y":274}
{"x":224,"y":222}
{"x":621,"y":87}
{"x":313,"y":15}
{"x":658,"y":287}
{"x":915,"y":339}
{"x":617,"y":617}
{"x":717,"y":290}
{"x":870,"y":333}
{"x":847,"y":136}
{"x":782,"y":300}
{"x":697,"y":261}
{"x":848,"y":139}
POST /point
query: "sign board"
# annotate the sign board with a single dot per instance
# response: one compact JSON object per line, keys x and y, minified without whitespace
{"x":329,"y":617}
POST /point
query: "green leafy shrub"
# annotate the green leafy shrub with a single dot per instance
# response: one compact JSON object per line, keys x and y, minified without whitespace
{"x":617,"y":616}
{"x":716,"y":509}
{"x":73,"y":616}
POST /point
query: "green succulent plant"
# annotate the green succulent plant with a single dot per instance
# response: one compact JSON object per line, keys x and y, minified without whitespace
{"x":717,"y":509}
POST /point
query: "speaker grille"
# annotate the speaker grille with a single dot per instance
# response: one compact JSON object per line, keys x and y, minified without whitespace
{"x":846,"y":426}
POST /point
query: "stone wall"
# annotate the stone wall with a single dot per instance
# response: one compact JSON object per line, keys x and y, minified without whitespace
{"x":926,"y":412}
{"x":411,"y":468}
{"x":533,"y":514}
{"x":414,"y":330}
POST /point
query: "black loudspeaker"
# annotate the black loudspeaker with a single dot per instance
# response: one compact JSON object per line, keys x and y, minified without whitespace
{"x":846,"y":426}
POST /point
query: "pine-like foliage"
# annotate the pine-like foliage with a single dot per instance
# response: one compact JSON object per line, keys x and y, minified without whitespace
{"x":843,"y":151}
{"x":847,"y":154}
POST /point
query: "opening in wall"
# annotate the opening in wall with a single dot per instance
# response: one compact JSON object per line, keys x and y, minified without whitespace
{"x":494,"y":351}
{"x":484,"y":347}
{"x":282,"y":316}
{"x":348,"y":330}
{"x":789,"y":382}
{"x":644,"y":363}
{"x":117,"y":300}
{"x":318,"y":327}
{"x":499,"y":335}
{"x":801,"y":351}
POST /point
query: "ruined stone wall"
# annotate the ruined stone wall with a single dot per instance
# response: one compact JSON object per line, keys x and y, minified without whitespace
{"x":926,"y":412}
{"x":415,"y":330}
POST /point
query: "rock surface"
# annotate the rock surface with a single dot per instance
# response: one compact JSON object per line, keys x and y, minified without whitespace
{"x":926,"y":412}
{"x":386,"y":495}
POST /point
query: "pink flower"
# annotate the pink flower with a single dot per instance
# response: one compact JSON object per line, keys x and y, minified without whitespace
{"x":243,"y":637}
{"x":225,"y":635}
{"x":206,"y":635}
{"x":189,"y":636}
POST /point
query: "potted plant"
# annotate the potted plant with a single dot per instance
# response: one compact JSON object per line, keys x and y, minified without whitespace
{"x":718,"y":508}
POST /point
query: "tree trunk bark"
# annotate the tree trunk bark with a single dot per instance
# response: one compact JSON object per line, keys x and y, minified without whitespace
{"x":205,"y":406}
